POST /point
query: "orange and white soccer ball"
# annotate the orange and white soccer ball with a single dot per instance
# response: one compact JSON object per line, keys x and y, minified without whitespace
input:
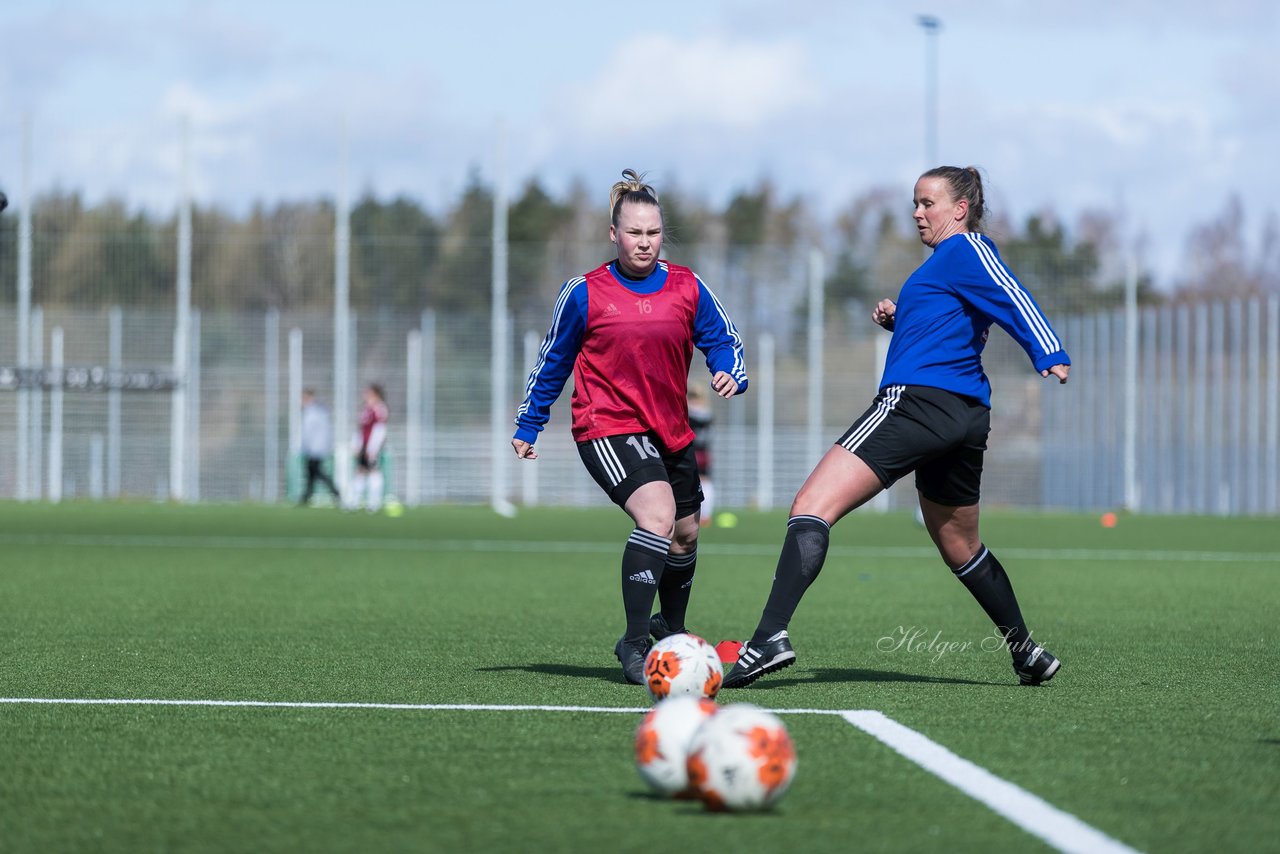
{"x":662,"y":742}
{"x":741,"y":758}
{"x":683,"y":665}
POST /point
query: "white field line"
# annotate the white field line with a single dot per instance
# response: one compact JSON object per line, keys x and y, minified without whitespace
{"x":1041,"y":819}
{"x":270,"y":704}
{"x":425,"y":546}
{"x":1059,"y":829}
{"x":412,"y":707}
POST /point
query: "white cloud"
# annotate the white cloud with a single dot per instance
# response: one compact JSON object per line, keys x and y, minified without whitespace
{"x":1168,"y":116}
{"x":659,"y":80}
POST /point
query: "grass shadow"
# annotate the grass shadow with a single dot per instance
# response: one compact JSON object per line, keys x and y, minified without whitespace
{"x":648,"y":795}
{"x":842,"y":674}
{"x":605,"y":674}
{"x":688,"y":805}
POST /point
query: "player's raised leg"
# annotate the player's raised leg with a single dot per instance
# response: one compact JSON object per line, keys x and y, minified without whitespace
{"x":840,"y":483}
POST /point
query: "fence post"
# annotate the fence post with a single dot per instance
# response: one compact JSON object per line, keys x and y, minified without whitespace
{"x":96,"y":445}
{"x":295,"y":407}
{"x":55,"y":416}
{"x":1273,"y":401}
{"x":816,"y":374}
{"x":271,"y":409}
{"x":182,"y":323}
{"x":115,"y":362}
{"x":192,"y":473}
{"x":342,"y":345}
{"x":23,"y":450}
{"x":764,"y":447}
{"x":1251,"y":441}
{"x":413,"y":419}
{"x":35,"y":419}
{"x":1131,"y":385}
{"x":1200,"y":434}
{"x":1219,"y":487}
{"x":500,"y":344}
{"x":428,"y":326}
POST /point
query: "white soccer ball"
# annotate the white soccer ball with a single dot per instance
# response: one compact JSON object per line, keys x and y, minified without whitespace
{"x":741,"y":759}
{"x":683,"y":665}
{"x":662,"y":742}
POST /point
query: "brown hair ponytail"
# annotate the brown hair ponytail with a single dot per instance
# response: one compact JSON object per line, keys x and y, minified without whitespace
{"x":965,"y":183}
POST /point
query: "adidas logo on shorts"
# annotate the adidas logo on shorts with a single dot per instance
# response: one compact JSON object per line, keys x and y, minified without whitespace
{"x":645,"y":577}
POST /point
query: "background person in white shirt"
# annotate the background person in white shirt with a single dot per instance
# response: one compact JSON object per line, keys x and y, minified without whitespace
{"x":317,"y":445}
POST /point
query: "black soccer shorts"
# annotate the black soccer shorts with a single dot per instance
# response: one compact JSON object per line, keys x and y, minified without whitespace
{"x":622,"y":464}
{"x":938,"y":434}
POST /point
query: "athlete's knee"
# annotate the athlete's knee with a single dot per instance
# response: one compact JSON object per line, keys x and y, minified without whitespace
{"x":656,"y":522}
{"x":685,"y":538}
{"x":957,"y":549}
{"x":804,"y":504}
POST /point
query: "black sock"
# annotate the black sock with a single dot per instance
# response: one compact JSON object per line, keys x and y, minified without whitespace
{"x":986,"y":579}
{"x":675,"y":586}
{"x":642,"y":563}
{"x":803,"y":553}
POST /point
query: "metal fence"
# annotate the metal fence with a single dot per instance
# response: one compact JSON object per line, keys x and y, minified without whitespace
{"x":1169,"y":408}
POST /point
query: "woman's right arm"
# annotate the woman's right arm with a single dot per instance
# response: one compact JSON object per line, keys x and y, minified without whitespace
{"x":553,"y":366}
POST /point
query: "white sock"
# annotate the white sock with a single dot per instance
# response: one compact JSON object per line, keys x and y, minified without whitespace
{"x":375,"y":490}
{"x":358,"y":484}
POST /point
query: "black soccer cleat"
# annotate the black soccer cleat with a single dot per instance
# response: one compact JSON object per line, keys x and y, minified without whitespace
{"x":632,"y":655}
{"x":755,"y":660}
{"x":1037,"y":668}
{"x":660,"y":628}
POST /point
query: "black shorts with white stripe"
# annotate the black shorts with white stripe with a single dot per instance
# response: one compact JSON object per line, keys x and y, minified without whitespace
{"x":623,"y":464}
{"x":938,"y":434}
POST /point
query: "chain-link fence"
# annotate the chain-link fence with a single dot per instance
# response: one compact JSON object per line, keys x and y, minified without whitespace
{"x":1169,"y":409}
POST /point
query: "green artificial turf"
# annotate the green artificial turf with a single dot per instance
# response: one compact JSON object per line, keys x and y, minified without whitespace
{"x":1160,"y":731}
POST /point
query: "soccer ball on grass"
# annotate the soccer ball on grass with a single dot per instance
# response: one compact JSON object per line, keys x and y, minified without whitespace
{"x":683,"y":665}
{"x":662,"y":742}
{"x":741,"y":759}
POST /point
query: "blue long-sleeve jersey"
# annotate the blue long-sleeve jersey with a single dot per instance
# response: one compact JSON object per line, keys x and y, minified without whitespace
{"x":713,"y":333}
{"x":945,"y":310}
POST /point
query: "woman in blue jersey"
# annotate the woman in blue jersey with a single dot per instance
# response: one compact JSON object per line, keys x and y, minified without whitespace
{"x":932,"y":416}
{"x":627,"y":331}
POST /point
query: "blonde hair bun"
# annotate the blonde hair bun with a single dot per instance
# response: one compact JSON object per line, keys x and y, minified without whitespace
{"x":632,"y":188}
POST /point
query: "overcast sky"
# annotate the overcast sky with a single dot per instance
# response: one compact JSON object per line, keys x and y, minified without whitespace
{"x":1156,"y":111}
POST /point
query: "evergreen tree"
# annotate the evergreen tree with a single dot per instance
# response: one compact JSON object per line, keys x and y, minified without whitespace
{"x":466,"y":264}
{"x":395,"y":247}
{"x":535,"y":223}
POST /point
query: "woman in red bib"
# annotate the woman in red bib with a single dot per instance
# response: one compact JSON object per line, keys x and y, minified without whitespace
{"x":627,"y":331}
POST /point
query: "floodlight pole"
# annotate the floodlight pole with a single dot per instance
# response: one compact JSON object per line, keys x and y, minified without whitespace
{"x":931,"y":27}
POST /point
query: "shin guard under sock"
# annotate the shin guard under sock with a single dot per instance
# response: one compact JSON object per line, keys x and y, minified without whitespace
{"x":803,"y":553}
